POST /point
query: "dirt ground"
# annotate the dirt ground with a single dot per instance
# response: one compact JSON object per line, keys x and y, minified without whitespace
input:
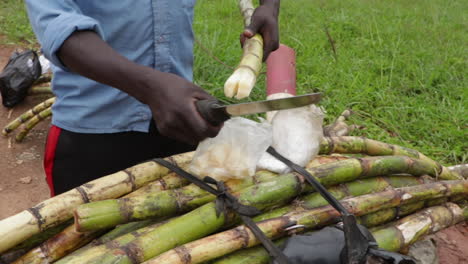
{"x":22,"y":179}
{"x":21,"y":163}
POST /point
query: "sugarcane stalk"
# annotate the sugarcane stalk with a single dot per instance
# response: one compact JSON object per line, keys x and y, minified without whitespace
{"x":32,"y":123}
{"x":204,"y":220}
{"x":461,"y":169}
{"x":147,"y":203}
{"x":56,"y":210}
{"x":341,"y":191}
{"x":28,"y":115}
{"x":108,"y":213}
{"x":258,"y":255}
{"x":84,"y":255}
{"x":168,"y":182}
{"x":241,"y":82}
{"x":412,"y":228}
{"x":371,"y":147}
{"x":58,"y":246}
{"x":40,"y":90}
{"x":223,"y":243}
{"x":49,"y":251}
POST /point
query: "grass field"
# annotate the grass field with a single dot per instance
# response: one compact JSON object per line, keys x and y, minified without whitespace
{"x":401,"y":65}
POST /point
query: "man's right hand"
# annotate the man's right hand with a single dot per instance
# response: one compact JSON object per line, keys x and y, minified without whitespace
{"x":170,"y":97}
{"x":172,"y":102}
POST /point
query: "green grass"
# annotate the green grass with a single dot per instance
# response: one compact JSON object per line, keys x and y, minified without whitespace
{"x":401,"y":65}
{"x":14,"y":23}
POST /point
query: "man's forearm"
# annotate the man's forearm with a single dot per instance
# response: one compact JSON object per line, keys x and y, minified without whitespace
{"x":85,"y":53}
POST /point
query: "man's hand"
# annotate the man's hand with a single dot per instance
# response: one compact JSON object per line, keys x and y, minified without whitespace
{"x":170,"y":97}
{"x":172,"y":101}
{"x":265,"y":22}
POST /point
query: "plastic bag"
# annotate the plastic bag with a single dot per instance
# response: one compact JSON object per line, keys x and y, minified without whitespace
{"x":234,"y":153}
{"x":327,"y":246}
{"x":22,"y":70}
{"x":296,"y":135}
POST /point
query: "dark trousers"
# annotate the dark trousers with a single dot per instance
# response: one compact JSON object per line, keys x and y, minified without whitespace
{"x":72,"y":159}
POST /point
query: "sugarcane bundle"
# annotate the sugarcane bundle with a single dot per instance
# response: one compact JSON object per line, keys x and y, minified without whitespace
{"x":346,"y":169}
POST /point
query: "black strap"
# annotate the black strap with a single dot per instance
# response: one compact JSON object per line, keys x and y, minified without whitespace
{"x":226,"y":200}
{"x":356,"y":243}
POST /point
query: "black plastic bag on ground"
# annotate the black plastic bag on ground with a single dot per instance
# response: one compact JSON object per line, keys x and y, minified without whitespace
{"x":22,"y":70}
{"x":327,"y":246}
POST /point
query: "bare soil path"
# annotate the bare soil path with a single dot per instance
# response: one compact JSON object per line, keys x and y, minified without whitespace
{"x":22,"y":162}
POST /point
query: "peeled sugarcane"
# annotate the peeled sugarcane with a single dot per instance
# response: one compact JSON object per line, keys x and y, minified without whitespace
{"x":51,"y":212}
{"x":28,"y":115}
{"x":204,"y":220}
{"x":394,"y":237}
{"x":32,"y":123}
{"x":241,"y":82}
{"x":223,"y":243}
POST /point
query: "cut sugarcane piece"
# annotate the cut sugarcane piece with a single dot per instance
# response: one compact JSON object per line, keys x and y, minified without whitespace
{"x":32,"y":123}
{"x":28,"y":115}
{"x":242,"y":81}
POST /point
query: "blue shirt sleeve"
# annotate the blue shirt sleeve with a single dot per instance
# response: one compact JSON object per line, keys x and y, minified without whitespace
{"x":53,"y":21}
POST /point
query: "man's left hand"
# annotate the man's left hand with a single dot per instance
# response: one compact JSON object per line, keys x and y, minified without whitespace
{"x":265,"y":22}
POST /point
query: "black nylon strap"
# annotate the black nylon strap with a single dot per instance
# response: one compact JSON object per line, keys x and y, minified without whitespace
{"x":310,"y":179}
{"x":226,"y":200}
{"x":356,"y":245}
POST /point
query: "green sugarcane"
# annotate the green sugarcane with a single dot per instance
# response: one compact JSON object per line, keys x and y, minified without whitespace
{"x":355,"y":188}
{"x":240,"y":237}
{"x":383,"y":235}
{"x":412,"y":228}
{"x":147,"y":203}
{"x":204,"y":220}
{"x":49,"y":251}
{"x":376,"y":148}
{"x":108,"y":213}
{"x":344,"y":190}
{"x":31,"y":123}
{"x":56,"y":210}
{"x":27,"y":115}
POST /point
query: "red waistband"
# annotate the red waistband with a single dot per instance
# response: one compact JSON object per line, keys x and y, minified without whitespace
{"x":49,"y":156}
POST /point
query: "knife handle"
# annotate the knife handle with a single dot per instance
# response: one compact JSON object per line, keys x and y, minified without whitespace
{"x":211,"y":112}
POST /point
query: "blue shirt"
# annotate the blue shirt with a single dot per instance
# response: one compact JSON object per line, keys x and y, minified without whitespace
{"x":154,"y":33}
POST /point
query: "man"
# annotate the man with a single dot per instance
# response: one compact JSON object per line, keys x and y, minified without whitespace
{"x":122,"y":77}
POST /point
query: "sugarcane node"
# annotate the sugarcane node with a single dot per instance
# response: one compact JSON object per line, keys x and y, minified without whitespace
{"x":131,"y":179}
{"x":83,"y":194}
{"x":35,"y":211}
{"x":241,"y":231}
{"x":184,"y":254}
